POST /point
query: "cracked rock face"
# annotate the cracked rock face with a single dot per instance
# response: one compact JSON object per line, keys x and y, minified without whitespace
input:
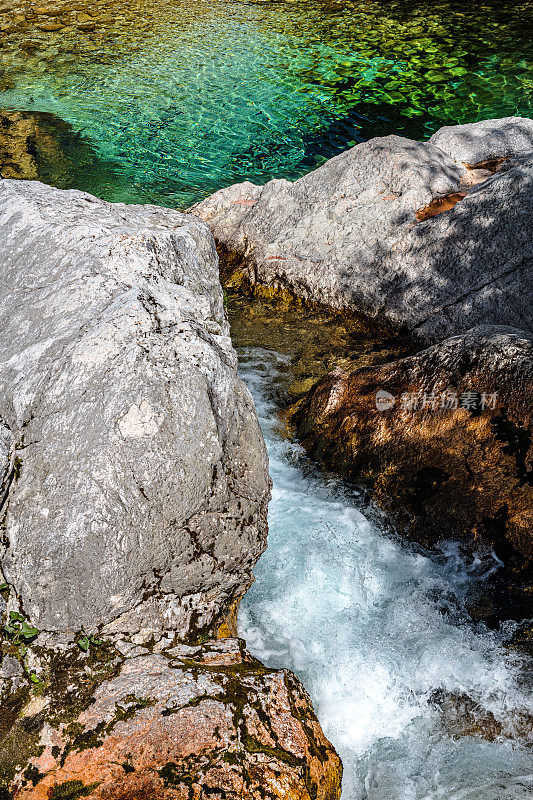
{"x":194,"y":722}
{"x":444,"y":466}
{"x":138,"y":500}
{"x":347,"y":235}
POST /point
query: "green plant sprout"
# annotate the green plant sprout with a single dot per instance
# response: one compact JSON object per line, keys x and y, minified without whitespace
{"x":85,"y":641}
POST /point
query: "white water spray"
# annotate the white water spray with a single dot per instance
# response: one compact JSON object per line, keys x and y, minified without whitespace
{"x":374,"y":629}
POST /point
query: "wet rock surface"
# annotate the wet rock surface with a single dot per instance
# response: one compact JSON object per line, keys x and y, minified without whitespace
{"x":440,"y":462}
{"x":347,"y":235}
{"x":185,"y":722}
{"x":140,"y":494}
{"x":462,"y":716}
{"x":39,"y":146}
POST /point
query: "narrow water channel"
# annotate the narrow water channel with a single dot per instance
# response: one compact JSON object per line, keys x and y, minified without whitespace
{"x":157,"y":101}
{"x":378,"y":631}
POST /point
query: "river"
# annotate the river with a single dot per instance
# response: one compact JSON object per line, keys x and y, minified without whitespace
{"x":166,"y":102}
{"x":377,"y":631}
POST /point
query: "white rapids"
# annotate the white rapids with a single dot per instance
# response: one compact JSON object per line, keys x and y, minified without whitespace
{"x":374,"y":629}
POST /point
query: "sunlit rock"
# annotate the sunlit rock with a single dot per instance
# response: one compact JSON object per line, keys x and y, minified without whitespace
{"x":140,"y":492}
{"x":443,"y":438}
{"x":202,"y":722}
{"x":353,"y":235}
{"x":485,"y":141}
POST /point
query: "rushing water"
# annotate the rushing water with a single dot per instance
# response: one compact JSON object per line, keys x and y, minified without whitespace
{"x":377,"y":631}
{"x":179,"y":98}
{"x":167,"y":101}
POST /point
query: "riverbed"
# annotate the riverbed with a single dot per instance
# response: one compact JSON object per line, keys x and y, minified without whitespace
{"x":377,"y":630}
{"x":167,"y":102}
{"x":175,"y":100}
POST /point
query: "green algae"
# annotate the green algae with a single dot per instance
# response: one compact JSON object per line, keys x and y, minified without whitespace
{"x":252,"y":90}
{"x":173,"y":774}
{"x":71,"y":790}
{"x":315,"y":339}
{"x":66,"y":682}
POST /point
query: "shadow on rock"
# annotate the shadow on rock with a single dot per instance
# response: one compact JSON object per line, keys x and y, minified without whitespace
{"x":443,"y":438}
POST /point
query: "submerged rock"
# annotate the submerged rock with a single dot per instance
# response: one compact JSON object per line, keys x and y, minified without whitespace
{"x":349,"y":235}
{"x":443,"y":438}
{"x":190,"y":722}
{"x":463,"y":716}
{"x":17,"y":132}
{"x":32,"y":145}
{"x":37,"y":145}
{"x":140,"y":495}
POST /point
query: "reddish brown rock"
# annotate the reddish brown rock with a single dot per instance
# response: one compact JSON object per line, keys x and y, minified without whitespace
{"x":441,"y":471}
{"x":187,"y":724}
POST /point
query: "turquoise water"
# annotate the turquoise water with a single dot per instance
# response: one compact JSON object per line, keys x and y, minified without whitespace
{"x":206,"y":94}
{"x":168,"y":101}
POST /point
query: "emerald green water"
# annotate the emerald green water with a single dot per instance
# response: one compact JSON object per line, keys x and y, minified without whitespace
{"x":170,"y":101}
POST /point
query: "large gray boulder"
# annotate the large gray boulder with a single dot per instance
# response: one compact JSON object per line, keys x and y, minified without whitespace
{"x":468,"y":266}
{"x":139,"y":497}
{"x":7,"y":460}
{"x":487,"y":140}
{"x":356,"y":234}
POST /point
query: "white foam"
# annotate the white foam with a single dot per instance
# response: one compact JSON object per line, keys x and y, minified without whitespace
{"x":374,"y":629}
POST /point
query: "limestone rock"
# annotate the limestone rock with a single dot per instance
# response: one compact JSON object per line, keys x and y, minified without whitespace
{"x":141,"y":494}
{"x":317,"y":236}
{"x":205,"y":722}
{"x":449,"y":451}
{"x":7,"y":460}
{"x":469,"y":266}
{"x":484,"y":141}
{"x":349,"y":235}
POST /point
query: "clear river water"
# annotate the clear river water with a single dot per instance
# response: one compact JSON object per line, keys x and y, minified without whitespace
{"x":166,"y":102}
{"x":379,"y":631}
{"x":175,"y":99}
